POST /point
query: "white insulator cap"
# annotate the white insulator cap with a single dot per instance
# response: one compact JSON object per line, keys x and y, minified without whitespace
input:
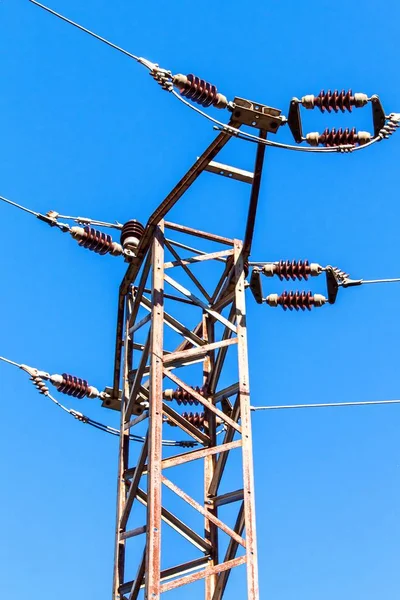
{"x":56,"y":379}
{"x":168,"y":394}
{"x":92,"y":392}
{"x":77,"y":232}
{"x":308,"y":101}
{"x":360,"y":100}
{"x":363,"y":137}
{"x":272,"y":300}
{"x":221,"y":101}
{"x":131,"y":243}
{"x":116,"y":249}
{"x":319,"y":300}
{"x":268,"y":269}
{"x":315,"y":269}
{"x":180,"y":80}
{"x":313,"y":138}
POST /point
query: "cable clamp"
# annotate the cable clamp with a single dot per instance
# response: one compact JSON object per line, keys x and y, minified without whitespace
{"x":163,"y":77}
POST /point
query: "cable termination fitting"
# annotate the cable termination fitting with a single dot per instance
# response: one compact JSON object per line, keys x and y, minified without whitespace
{"x":332,"y":137}
{"x":200,"y":91}
{"x":295,"y":269}
{"x":296,"y":300}
{"x":95,"y":240}
{"x":39,"y":384}
{"x":335,"y":101}
{"x":393,"y":123}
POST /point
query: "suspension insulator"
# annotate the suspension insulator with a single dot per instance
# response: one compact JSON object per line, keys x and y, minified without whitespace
{"x":196,"y":419}
{"x":296,"y":300}
{"x":200,"y":91}
{"x":295,"y":269}
{"x":131,"y":234}
{"x":333,"y":137}
{"x":95,"y":240}
{"x":335,"y":100}
{"x":73,"y":386}
{"x":183,"y":397}
{"x":39,"y":384}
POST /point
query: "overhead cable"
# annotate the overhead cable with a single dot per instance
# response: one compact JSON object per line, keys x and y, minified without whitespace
{"x":324,"y":405}
{"x":204,"y":93}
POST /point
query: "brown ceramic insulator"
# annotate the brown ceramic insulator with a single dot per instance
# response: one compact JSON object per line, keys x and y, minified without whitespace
{"x":296,"y":300}
{"x":96,"y":240}
{"x":335,"y":100}
{"x":200,"y":91}
{"x":331,"y":137}
{"x":196,"y":419}
{"x":40,"y":384}
{"x":73,"y":386}
{"x":131,"y":229}
{"x":183,"y":397}
{"x":295,"y":269}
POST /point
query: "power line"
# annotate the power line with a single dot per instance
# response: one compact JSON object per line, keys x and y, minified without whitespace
{"x":324,"y":405}
{"x":167,"y":81}
{"x":88,"y":31}
{"x":28,"y":210}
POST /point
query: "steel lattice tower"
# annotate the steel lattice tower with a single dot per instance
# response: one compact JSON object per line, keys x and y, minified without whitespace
{"x":144,"y":369}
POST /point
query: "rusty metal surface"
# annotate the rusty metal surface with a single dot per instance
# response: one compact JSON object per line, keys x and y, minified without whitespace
{"x":206,"y":573}
{"x":153,"y":534}
{"x":244,"y":398}
{"x":255,"y":192}
{"x":123,"y":455}
{"x":230,"y":172}
{"x":198,"y":344}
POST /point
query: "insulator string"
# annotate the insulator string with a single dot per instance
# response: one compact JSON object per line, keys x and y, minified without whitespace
{"x":83,"y":418}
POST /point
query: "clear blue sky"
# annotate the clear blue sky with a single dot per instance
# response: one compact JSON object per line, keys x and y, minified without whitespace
{"x":84,"y":130}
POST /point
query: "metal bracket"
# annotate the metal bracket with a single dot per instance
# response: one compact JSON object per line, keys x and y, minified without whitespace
{"x":112,"y":402}
{"x":332,"y":284}
{"x":294,"y":120}
{"x":256,"y":286}
{"x":378,"y":114}
{"x":230,"y":172}
{"x":257,"y":115}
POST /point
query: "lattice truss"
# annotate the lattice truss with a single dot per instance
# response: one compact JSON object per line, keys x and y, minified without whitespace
{"x":180,"y":333}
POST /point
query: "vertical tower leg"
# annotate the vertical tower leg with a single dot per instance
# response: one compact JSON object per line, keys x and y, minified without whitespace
{"x":247,"y":448}
{"x":153,"y":535}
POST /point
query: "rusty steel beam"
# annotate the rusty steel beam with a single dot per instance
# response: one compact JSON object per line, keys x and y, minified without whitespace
{"x":181,"y":459}
{"x":196,"y":259}
{"x":153,"y":533}
{"x":255,"y":192}
{"x":229,"y":555}
{"x":205,"y":235}
{"x":236,"y":562}
{"x":245,"y":416}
